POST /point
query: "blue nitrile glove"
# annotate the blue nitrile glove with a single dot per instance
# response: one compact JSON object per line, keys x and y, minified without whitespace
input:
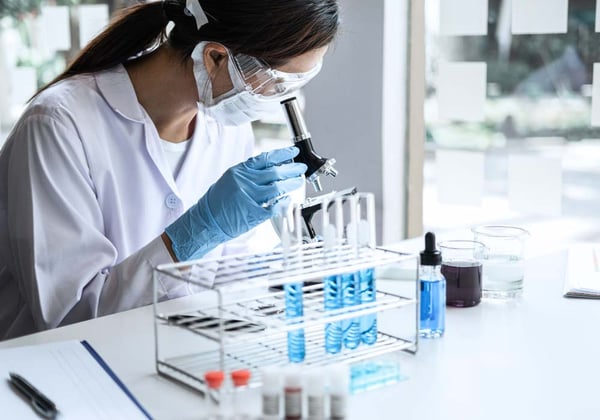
{"x":245,"y":196}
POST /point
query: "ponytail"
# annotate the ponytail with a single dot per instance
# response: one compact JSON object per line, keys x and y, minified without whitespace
{"x":134,"y":31}
{"x":271,"y":30}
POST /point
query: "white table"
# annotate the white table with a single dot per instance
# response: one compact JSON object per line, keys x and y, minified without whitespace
{"x":538,"y":358}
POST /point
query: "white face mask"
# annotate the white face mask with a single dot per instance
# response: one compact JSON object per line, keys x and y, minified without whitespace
{"x":236,"y":107}
{"x":241,"y":108}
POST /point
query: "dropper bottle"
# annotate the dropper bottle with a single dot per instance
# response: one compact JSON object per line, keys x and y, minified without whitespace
{"x":432,"y":317}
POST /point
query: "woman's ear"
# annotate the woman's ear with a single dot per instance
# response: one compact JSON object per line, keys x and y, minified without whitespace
{"x":215,"y":60}
{"x":215,"y":55}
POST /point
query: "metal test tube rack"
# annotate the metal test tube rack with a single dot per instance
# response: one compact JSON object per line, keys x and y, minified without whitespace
{"x":237,"y":319}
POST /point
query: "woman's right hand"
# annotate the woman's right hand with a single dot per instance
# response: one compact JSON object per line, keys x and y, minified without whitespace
{"x":247,"y":194}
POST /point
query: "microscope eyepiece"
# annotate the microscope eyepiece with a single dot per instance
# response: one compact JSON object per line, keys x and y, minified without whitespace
{"x":317,"y":165}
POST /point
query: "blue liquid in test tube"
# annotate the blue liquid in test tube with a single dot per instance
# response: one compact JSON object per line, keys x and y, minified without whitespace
{"x":294,"y":309}
{"x":368,"y":323}
{"x":351,"y":297}
{"x":333,"y":300}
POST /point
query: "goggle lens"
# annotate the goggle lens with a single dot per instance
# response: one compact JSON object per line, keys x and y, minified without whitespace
{"x":263,"y":81}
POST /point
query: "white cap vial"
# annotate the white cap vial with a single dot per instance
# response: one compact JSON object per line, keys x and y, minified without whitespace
{"x":315,"y":391}
{"x":339,"y":383}
{"x":271,"y":391}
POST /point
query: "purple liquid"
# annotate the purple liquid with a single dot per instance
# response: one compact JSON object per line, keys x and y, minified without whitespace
{"x":463,"y":283}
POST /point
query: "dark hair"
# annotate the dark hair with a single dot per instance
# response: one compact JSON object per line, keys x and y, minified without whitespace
{"x":272,"y":30}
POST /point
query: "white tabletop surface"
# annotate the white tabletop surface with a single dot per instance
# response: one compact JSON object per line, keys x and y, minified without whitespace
{"x":536,"y":358}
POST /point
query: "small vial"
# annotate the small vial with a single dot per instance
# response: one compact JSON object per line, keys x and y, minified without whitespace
{"x":240,"y":379}
{"x":214,"y":380}
{"x":339,"y":382}
{"x":271,"y":391}
{"x":433,"y":291}
{"x":315,"y":394}
{"x":293,"y":394}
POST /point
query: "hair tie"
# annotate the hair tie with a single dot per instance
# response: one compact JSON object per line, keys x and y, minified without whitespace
{"x":193,"y":8}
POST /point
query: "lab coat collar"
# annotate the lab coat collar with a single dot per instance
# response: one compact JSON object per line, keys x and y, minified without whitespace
{"x":116,"y":87}
{"x":206,"y":127}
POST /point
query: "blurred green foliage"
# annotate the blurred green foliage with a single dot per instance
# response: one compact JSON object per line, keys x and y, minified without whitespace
{"x":538,"y":84}
{"x":17,"y":8}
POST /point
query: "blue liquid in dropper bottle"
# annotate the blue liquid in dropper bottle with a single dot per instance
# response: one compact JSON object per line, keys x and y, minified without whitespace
{"x":432,"y":315}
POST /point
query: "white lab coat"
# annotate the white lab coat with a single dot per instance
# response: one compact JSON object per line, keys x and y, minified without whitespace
{"x":85,"y":192}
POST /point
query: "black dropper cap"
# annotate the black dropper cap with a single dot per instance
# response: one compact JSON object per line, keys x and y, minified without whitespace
{"x":430,"y":255}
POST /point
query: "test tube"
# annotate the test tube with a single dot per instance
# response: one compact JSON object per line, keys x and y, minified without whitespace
{"x":367,"y":288}
{"x":332,"y":290}
{"x":351,"y":281}
{"x":293,"y":293}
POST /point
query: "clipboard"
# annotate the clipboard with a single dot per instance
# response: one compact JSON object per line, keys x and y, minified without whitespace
{"x":74,"y":376}
{"x":582,"y":279}
{"x":114,"y":377}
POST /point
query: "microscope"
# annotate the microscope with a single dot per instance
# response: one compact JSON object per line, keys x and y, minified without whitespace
{"x":317,"y":166}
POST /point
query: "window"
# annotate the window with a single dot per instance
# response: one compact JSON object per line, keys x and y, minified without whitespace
{"x":37,"y":39}
{"x":510,"y":119}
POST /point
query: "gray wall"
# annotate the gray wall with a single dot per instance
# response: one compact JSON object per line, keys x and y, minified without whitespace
{"x":345,"y":112}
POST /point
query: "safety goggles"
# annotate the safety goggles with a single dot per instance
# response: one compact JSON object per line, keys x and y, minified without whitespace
{"x":265,"y":82}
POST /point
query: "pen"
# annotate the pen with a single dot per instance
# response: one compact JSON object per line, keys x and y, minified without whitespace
{"x":40,"y":403}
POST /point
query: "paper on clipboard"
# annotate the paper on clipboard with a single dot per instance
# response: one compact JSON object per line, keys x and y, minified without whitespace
{"x":73,"y":376}
{"x":582,"y":278}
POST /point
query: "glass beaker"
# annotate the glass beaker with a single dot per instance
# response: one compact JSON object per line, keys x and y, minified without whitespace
{"x":503,"y":267}
{"x":462,"y":266}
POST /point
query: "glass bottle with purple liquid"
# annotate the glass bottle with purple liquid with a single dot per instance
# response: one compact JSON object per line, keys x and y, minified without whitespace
{"x":462,"y":266}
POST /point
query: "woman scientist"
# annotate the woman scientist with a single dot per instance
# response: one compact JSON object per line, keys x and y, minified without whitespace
{"x":131,"y":157}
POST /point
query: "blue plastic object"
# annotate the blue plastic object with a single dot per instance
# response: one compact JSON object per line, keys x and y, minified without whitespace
{"x":373,"y":374}
{"x":246,"y":195}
